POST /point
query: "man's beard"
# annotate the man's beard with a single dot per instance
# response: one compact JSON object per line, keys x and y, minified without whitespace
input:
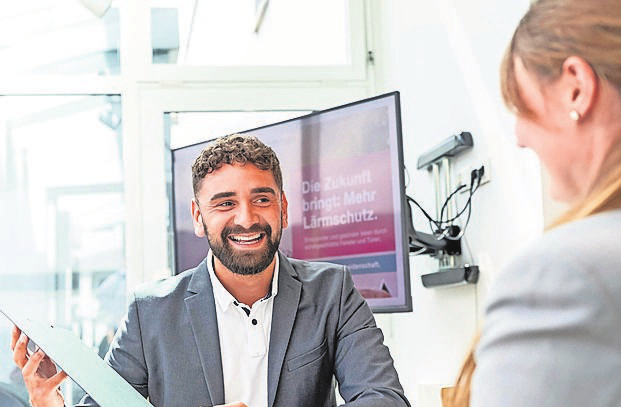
{"x":243,"y":263}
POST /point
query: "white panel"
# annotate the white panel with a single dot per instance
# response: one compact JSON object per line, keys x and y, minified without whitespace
{"x":444,"y":57}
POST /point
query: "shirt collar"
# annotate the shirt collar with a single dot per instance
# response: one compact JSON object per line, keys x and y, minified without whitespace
{"x":223,"y":298}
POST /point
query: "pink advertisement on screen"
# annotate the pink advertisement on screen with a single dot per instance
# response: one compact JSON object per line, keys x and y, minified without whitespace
{"x":347,"y":212}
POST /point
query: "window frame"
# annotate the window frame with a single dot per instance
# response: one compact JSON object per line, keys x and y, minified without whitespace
{"x":148,"y":91}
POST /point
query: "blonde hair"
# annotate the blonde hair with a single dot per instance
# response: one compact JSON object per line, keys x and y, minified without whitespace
{"x":459,"y":395}
{"x":553,"y":30}
{"x":549,"y":33}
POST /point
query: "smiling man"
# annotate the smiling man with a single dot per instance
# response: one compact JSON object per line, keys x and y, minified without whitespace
{"x":240,"y":207}
{"x":248,"y":326}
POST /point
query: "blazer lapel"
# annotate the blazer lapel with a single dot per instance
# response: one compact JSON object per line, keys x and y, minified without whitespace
{"x":283,"y":316}
{"x":202,"y":309}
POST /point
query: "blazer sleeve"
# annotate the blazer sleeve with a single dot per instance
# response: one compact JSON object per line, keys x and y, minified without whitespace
{"x":550,"y":336}
{"x":363,"y":366}
{"x":126,"y":355}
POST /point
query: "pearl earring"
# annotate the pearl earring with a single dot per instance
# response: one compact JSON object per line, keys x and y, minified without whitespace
{"x":574,"y":115}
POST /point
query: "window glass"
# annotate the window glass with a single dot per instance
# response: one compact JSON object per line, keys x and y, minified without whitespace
{"x":165,"y":35}
{"x":59,"y":37}
{"x":187,"y":128}
{"x":62,"y":214}
{"x":256,"y":33}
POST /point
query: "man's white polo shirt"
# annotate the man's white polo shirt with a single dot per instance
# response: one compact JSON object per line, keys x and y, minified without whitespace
{"x":244,"y":332}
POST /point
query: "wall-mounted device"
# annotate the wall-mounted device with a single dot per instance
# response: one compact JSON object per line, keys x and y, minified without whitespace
{"x":450,"y":147}
{"x":444,"y":242}
{"x":452,"y":276}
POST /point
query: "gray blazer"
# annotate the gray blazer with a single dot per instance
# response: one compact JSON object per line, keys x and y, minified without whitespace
{"x":552,"y":329}
{"x":168,"y":346}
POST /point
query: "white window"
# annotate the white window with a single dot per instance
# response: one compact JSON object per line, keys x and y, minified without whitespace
{"x":62,"y":211}
{"x":58,"y":37}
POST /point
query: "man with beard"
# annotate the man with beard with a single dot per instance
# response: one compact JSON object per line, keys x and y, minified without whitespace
{"x":248,"y":326}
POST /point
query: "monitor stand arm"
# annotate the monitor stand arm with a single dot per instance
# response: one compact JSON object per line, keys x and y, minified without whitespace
{"x":445,"y":249}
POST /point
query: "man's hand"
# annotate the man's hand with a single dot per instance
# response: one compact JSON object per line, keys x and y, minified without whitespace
{"x":238,"y":404}
{"x":40,"y":375}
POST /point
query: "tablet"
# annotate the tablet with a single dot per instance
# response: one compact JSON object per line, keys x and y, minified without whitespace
{"x":80,"y":362}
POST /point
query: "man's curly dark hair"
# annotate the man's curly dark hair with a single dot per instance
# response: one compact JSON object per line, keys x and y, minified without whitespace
{"x":235,"y":149}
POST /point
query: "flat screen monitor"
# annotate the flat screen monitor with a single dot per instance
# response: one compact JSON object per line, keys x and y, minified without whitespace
{"x":342,"y":174}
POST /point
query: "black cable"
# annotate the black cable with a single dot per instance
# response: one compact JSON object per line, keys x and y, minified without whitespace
{"x":437,"y":225}
{"x":466,"y":206}
{"x":475,"y":176}
{"x":469,"y":205}
{"x":475,"y":183}
{"x":448,"y":199}
{"x":429,"y":218}
{"x":432,"y":220}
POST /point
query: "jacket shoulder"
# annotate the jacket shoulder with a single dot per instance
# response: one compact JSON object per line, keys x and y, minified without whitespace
{"x":166,"y":287}
{"x":309,"y":271}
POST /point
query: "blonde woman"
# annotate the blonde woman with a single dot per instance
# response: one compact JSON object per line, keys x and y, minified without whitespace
{"x":552,"y":328}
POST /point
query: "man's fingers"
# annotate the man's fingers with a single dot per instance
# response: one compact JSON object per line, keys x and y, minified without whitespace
{"x":19,"y":351}
{"x":15,"y":333}
{"x":57,"y":379}
{"x":33,"y":363}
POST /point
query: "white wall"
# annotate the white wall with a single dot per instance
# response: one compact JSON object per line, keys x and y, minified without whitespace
{"x":443,"y":56}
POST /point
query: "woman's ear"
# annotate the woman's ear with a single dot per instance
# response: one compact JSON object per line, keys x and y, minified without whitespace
{"x":580,"y":86}
{"x":197,"y":219}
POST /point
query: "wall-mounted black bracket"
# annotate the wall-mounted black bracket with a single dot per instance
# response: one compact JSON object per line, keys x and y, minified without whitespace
{"x":467,"y":274}
{"x":445,"y":248}
{"x":450,"y":147}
